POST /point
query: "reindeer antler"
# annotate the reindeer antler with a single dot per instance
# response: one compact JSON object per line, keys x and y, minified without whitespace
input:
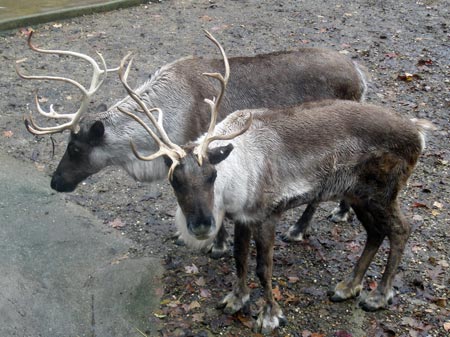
{"x":74,"y":118}
{"x":166,"y":146}
{"x":202,"y":148}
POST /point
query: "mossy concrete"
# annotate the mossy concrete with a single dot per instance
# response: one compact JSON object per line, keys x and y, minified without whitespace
{"x":61,"y":14}
{"x":63,"y":272}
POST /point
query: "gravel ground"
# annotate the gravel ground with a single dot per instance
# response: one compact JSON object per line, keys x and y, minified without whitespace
{"x":405,"y":47}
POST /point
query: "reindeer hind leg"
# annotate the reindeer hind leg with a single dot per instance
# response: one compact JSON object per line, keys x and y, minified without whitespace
{"x":341,"y":213}
{"x":300,"y":229}
{"x":398,"y":231}
{"x":352,"y":285}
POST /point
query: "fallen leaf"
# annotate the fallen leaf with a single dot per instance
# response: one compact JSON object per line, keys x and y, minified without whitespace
{"x":435,"y":212}
{"x":343,"y":333}
{"x":57,"y":25}
{"x":291,"y":298}
{"x":316,"y":334}
{"x":447,"y":326}
{"x":408,"y":77}
{"x":200,"y":281}
{"x":441,"y":302}
{"x":198,"y":317}
{"x":253,"y":285}
{"x":293,"y":279}
{"x":194,"y":305}
{"x":391,"y":55}
{"x":7,"y":134}
{"x":245,"y":320}
{"x":437,"y":205}
{"x":205,"y":293}
{"x":373,"y":285}
{"x":422,"y":62}
{"x":417,"y":204}
{"x":277,"y":293}
{"x":306,"y":333}
{"x":159,"y":314}
{"x":417,"y":217}
{"x":39,"y":167}
{"x":191,"y":269}
{"x":165,"y":302}
{"x":205,"y":18}
{"x":116,"y":223}
{"x":443,"y":263}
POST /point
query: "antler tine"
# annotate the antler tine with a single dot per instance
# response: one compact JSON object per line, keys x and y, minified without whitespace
{"x":123,"y":75}
{"x":214,"y":104}
{"x":166,"y":147}
{"x":96,"y":81}
{"x":163,"y":148}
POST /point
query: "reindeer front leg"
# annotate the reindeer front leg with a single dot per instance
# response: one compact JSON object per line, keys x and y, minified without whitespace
{"x":240,"y":295}
{"x":271,"y":315}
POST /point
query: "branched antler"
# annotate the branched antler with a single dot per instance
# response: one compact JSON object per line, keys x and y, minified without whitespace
{"x":97,"y":80}
{"x":214,"y":104}
{"x":166,"y":146}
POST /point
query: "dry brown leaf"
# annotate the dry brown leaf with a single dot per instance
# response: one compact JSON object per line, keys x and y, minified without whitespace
{"x":373,"y":285}
{"x":39,"y":167}
{"x":7,"y":134}
{"x":247,"y":321}
{"x":253,"y":285}
{"x":277,"y":293}
{"x":194,"y":305}
{"x":200,"y":281}
{"x":206,"y":18}
{"x":293,"y":279}
{"x":316,"y":334}
{"x":205,"y":293}
{"x":191,"y":269}
{"x":447,"y":326}
{"x":116,"y":223}
{"x":198,"y":317}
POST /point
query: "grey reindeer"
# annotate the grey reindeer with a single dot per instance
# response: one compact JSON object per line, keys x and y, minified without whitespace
{"x":98,"y":140}
{"x":258,"y":163}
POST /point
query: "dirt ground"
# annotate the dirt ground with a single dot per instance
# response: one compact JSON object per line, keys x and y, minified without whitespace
{"x":405,"y":47}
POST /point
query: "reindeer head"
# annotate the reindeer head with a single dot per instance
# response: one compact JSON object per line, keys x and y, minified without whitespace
{"x":192,"y":170}
{"x":75,"y":165}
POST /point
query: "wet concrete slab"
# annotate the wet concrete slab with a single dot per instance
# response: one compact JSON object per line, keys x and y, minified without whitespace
{"x":63,"y":272}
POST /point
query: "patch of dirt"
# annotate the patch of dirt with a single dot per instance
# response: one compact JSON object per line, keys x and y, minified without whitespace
{"x":404,"y":46}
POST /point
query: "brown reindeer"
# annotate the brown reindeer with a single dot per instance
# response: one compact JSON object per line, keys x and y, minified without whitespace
{"x":270,"y":80}
{"x":258,"y":163}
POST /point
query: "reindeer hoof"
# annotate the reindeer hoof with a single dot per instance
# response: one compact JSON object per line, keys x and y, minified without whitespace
{"x":338,"y":215}
{"x":232,"y":303}
{"x":376,"y":301}
{"x":269,"y":319}
{"x":344,"y":290}
{"x":293,"y":235}
{"x":218,"y":251}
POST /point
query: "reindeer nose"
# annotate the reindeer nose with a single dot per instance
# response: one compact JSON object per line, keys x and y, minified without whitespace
{"x":60,"y":185}
{"x":202,"y":227}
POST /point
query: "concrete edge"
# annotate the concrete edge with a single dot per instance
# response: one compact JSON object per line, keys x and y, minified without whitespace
{"x":24,"y":21}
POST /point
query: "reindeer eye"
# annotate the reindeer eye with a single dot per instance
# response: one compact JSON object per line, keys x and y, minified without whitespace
{"x":74,"y":151}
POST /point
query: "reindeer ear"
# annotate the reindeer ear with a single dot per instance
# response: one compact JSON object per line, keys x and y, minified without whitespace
{"x":96,"y":133}
{"x":217,"y":154}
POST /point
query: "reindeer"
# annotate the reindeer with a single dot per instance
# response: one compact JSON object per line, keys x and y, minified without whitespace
{"x":258,"y":163}
{"x":98,"y":140}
